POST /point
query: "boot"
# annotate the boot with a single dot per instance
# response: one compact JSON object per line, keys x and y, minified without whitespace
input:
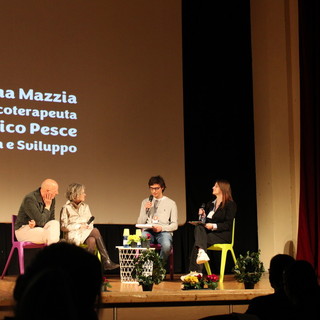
{"x":106,"y":261}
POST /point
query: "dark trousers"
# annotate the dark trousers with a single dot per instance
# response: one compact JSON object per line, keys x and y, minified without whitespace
{"x":200,"y":241}
{"x":203,"y":238}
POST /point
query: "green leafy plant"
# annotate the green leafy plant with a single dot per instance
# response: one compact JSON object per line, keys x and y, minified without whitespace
{"x":249,"y":268}
{"x":139,"y":269}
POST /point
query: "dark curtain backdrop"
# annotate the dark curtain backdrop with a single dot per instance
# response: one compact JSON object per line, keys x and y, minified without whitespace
{"x":219,"y":131}
{"x":309,"y":222}
{"x":218,"y":115}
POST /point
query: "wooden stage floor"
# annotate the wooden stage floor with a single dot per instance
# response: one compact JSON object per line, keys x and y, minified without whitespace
{"x":128,"y":301}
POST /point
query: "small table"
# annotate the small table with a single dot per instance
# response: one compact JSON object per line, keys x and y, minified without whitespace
{"x":126,"y":256}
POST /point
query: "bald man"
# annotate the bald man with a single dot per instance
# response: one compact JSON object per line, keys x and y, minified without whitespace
{"x":35,"y":221}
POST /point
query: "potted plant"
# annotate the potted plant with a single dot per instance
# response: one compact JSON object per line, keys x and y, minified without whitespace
{"x":105,"y":284}
{"x":249,"y":269}
{"x":145,"y":240}
{"x":133,"y":240}
{"x":195,"y":280}
{"x":148,"y":269}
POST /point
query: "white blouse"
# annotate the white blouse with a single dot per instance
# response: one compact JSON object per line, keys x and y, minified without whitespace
{"x":71,"y":218}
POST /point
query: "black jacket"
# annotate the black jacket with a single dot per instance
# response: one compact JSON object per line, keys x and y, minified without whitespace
{"x":223,"y":218}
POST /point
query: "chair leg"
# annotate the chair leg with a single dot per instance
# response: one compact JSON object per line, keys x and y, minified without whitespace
{"x":21,"y":259}
{"x":171,"y":267}
{"x":208,"y":269}
{"x":8,"y":262}
{"x":233,"y":256}
{"x":222,"y":264}
{"x":98,"y":254}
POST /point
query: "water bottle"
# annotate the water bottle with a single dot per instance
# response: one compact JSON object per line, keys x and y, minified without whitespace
{"x":138,"y":233}
{"x":125,"y":238}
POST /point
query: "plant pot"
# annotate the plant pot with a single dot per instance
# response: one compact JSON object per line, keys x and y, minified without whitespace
{"x":133,"y":245}
{"x":248,"y":285}
{"x":147,"y":287}
{"x":145,"y":244}
{"x":213,"y":286}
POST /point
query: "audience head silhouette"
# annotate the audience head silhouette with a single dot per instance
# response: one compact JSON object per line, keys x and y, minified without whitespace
{"x":277,"y":266}
{"x":62,"y":282}
{"x":302,"y":289}
{"x":300,"y":281}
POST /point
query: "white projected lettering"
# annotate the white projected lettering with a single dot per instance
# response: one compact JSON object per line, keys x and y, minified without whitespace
{"x":53,"y":131}
{"x":11,"y":128}
{"x":41,"y":146}
{"x":34,"y":128}
{"x":8,"y":94}
{"x":47,"y":96}
{"x":42,"y":114}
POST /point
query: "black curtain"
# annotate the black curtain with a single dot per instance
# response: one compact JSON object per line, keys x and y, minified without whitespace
{"x":219,"y":131}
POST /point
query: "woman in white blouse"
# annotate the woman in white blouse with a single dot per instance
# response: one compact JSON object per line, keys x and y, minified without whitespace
{"x":75,"y":215}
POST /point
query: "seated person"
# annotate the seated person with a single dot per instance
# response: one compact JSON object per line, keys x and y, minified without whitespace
{"x":218,"y":218}
{"x":162,"y":213}
{"x":36,"y":217}
{"x":74,"y":217}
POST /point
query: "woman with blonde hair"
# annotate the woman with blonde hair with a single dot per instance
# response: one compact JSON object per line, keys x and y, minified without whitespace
{"x":78,"y":227}
{"x":218,"y":218}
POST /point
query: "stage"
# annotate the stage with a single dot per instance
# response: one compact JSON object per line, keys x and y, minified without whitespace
{"x":128,"y":301}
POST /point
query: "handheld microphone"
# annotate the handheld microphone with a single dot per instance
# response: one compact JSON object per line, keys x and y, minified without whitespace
{"x":150,"y":200}
{"x":90,"y":220}
{"x":202,"y":218}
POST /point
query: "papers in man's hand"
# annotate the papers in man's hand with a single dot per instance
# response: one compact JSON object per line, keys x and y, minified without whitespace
{"x":196,"y":223}
{"x":144,"y":226}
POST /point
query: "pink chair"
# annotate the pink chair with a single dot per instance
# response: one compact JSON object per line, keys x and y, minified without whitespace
{"x":20,"y":245}
{"x":157,"y":246}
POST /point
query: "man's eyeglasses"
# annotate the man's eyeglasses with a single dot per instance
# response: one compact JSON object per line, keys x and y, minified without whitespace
{"x":154,"y":189}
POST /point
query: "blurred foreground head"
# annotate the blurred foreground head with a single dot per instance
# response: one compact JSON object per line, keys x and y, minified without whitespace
{"x":62,"y":282}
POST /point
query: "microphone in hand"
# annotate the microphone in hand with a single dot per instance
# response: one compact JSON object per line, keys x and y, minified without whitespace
{"x":150,"y":200}
{"x":202,"y":213}
{"x":90,"y":220}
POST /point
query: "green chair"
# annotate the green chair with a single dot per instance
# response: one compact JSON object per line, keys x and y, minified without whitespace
{"x":224,"y":248}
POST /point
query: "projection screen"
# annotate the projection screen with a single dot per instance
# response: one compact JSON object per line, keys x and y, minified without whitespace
{"x":91,"y":92}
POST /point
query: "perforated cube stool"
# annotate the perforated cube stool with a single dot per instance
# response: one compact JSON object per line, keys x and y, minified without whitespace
{"x":126,"y":256}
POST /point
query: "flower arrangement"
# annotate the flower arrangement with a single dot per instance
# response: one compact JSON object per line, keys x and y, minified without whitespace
{"x":145,"y":237}
{"x":133,"y":238}
{"x":212,"y":281}
{"x":195,"y":280}
{"x":105,"y":284}
{"x":145,"y":240}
